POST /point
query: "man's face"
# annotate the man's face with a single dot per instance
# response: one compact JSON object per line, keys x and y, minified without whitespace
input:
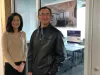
{"x":44,"y":16}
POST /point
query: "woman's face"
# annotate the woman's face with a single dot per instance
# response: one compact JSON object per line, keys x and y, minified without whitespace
{"x":16,"y":22}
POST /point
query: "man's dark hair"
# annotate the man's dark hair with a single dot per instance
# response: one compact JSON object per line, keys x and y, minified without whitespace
{"x":44,"y":8}
{"x":9,"y":27}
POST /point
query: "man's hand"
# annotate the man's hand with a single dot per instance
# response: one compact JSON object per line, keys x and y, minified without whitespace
{"x":29,"y":73}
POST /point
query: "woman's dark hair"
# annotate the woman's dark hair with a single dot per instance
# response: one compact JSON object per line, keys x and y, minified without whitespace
{"x":9,"y":27}
{"x":44,"y":8}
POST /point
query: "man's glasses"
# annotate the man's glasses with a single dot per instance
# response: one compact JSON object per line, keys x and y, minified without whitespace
{"x":46,"y":14}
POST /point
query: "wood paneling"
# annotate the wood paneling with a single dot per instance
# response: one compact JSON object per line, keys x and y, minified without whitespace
{"x":7,"y":8}
{"x":6,"y":11}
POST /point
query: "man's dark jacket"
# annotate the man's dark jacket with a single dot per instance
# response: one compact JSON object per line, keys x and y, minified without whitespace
{"x":45,"y":51}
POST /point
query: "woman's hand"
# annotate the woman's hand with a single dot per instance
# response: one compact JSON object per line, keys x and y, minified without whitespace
{"x":16,"y":67}
{"x":29,"y":73}
{"x":21,"y":67}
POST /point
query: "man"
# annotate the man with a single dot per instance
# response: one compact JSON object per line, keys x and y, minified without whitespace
{"x":46,"y":47}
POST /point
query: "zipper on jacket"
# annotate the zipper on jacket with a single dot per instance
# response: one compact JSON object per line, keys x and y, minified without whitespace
{"x":41,"y":33}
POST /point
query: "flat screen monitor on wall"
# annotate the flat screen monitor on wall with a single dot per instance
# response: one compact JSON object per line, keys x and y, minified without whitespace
{"x":74,"y":36}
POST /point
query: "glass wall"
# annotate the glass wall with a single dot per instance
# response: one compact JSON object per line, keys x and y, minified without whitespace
{"x":70,"y":15}
{"x":27,"y":8}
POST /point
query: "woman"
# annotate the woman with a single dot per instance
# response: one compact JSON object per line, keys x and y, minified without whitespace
{"x":14,"y":46}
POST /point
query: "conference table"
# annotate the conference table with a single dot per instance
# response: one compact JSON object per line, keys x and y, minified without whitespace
{"x":74,"y":48}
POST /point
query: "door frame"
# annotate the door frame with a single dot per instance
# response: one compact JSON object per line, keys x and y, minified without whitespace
{"x":88,"y":37}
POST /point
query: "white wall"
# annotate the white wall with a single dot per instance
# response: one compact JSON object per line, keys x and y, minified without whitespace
{"x":1,"y":22}
{"x":1,"y":54}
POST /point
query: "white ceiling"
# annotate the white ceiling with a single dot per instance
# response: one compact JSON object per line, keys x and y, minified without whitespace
{"x":80,"y":3}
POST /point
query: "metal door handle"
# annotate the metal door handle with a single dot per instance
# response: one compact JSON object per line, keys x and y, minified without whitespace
{"x":96,"y":69}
